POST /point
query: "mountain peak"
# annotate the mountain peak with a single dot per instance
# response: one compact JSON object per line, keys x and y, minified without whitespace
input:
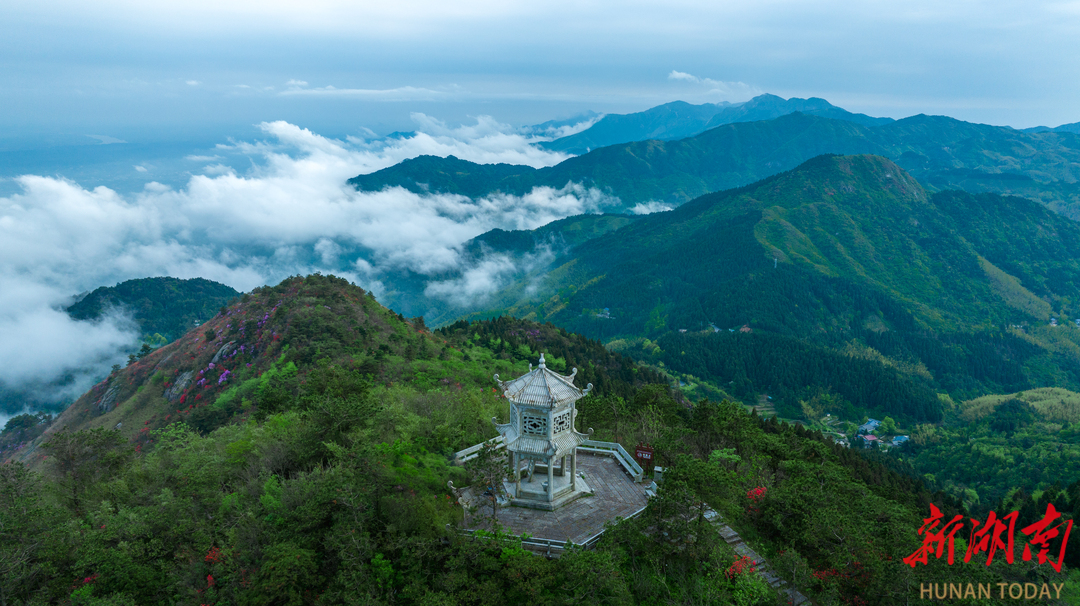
{"x":679,"y":119}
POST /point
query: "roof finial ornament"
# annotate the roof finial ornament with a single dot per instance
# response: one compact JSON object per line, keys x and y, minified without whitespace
{"x":542,"y":364}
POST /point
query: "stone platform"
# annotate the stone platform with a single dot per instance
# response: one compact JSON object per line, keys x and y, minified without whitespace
{"x":533,"y":493}
{"x":614,"y":494}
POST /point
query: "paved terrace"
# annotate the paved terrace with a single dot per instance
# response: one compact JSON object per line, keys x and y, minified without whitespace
{"x":615,"y":494}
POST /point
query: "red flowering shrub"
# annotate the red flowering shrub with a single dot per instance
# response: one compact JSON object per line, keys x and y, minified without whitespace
{"x":741,"y":565}
{"x":214,"y":555}
{"x":755,"y":495}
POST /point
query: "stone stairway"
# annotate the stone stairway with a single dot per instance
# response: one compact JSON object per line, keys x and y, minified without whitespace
{"x":795,"y":598}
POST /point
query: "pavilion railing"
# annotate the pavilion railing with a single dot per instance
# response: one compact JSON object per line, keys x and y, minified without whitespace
{"x":472,"y":452}
{"x":608,"y":449}
{"x":616,"y":451}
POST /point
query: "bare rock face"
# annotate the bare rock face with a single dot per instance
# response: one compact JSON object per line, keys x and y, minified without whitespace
{"x":107,"y":401}
{"x":174,"y":392}
{"x":221,"y":352}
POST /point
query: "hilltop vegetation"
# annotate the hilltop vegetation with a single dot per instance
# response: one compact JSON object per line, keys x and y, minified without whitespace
{"x":309,"y":463}
{"x":165,"y":307}
{"x":1050,"y":404}
{"x":255,"y":357}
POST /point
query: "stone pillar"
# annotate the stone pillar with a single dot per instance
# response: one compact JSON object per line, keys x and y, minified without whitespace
{"x":573,"y":470}
{"x":516,"y":461}
{"x":551,"y":480}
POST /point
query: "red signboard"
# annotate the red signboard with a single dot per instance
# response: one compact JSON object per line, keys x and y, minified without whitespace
{"x":644,"y":454}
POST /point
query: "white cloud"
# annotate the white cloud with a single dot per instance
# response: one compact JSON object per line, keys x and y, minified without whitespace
{"x":478,"y":280}
{"x":676,"y":75}
{"x":403,"y":93}
{"x":567,"y":129}
{"x":140,"y":168}
{"x":722,"y":91}
{"x":195,"y":158}
{"x":106,"y":140}
{"x":652,"y":206}
{"x":291,"y":213}
{"x":193,"y":83}
{"x":476,"y":283}
{"x":48,"y":355}
{"x":216,"y":169}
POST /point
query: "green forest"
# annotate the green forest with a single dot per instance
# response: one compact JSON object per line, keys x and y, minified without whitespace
{"x":998,"y":449}
{"x":296,"y":448}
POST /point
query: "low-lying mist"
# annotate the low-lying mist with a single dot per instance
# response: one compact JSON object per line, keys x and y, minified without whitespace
{"x":291,"y":212}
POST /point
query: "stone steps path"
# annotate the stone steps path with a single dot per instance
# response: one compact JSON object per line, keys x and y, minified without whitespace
{"x":762,"y":569}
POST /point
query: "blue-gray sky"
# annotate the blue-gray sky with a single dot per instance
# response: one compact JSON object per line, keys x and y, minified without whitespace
{"x":195,"y":68}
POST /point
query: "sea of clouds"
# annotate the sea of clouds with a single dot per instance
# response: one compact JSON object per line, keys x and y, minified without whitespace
{"x":291,"y":212}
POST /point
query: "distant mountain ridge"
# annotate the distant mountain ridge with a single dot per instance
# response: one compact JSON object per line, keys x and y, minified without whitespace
{"x":678,"y":120}
{"x":1064,"y":128}
{"x":943,"y":153}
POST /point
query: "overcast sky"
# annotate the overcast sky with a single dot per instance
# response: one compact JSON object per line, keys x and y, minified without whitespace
{"x":200,"y":68}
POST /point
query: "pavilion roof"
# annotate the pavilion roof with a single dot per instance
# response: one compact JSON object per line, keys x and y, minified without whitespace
{"x":542,"y":387}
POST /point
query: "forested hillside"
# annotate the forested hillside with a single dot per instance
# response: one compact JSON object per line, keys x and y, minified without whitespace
{"x":949,"y":291}
{"x":166,"y":307}
{"x":294,"y":450}
{"x":997,"y":448}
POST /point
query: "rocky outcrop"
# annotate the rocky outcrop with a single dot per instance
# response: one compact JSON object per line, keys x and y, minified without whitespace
{"x":221,"y":352}
{"x":175,"y":390}
{"x":108,"y":400}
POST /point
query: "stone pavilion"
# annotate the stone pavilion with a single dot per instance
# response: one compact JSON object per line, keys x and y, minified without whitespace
{"x":541,"y":440}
